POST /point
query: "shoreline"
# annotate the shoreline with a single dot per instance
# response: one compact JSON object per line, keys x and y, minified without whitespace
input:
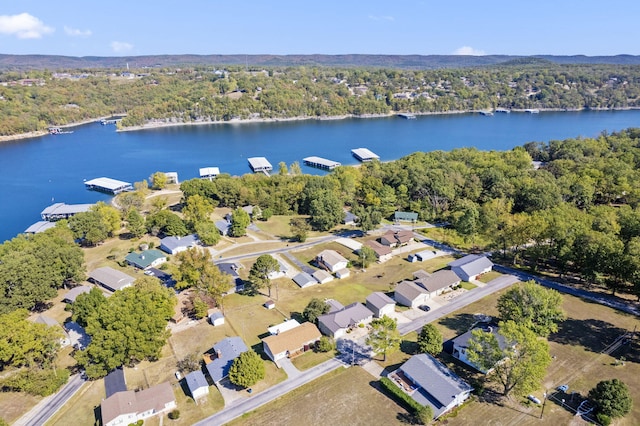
{"x":157,"y":124}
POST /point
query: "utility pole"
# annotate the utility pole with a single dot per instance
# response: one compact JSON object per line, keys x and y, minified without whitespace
{"x":544,"y":402}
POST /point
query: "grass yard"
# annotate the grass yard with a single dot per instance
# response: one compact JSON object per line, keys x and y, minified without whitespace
{"x":82,"y":408}
{"x":190,"y":412}
{"x":467,"y":285}
{"x":311,"y":359}
{"x":488,"y":276}
{"x":14,"y":404}
{"x":345,"y":396}
{"x":253,"y":247}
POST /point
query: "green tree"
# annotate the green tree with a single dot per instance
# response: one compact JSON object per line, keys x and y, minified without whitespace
{"x":314,"y":309}
{"x":128,"y":328}
{"x":366,"y":255}
{"x":109,"y":215}
{"x":239,"y":221}
{"x":260,"y":271}
{"x":325,"y":344}
{"x":89,"y":227}
{"x":207,"y":232}
{"x":200,"y":307}
{"x":300,"y":228}
{"x":519,"y":365}
{"x":135,"y":224}
{"x":25,"y":343}
{"x":326,"y":210}
{"x":430,"y":340}
{"x":532,"y":305}
{"x":424,"y":415}
{"x":158,"y":180}
{"x":611,"y":398}
{"x":196,"y":270}
{"x":197,"y":209}
{"x":384,"y":337}
{"x":87,"y":304}
{"x":247,"y":369}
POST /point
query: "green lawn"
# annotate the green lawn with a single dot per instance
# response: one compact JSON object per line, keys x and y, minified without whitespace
{"x":488,"y":276}
{"x":467,"y":285}
{"x":311,"y":359}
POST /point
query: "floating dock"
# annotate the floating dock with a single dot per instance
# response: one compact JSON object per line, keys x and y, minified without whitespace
{"x":260,"y":165}
{"x":488,"y":113}
{"x":407,"y":116}
{"x":364,"y":155}
{"x":59,"y":211}
{"x":321,"y":163}
{"x":209,"y":172}
{"x":503,"y":110}
{"x":532,"y":111}
{"x":106,"y":121}
{"x":108,"y":185}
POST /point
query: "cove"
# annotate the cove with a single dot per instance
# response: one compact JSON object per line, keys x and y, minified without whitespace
{"x":39,"y":171}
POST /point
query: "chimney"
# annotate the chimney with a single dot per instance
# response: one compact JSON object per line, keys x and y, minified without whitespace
{"x":218,"y":353}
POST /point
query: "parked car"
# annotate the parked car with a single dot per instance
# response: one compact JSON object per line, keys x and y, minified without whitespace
{"x":533,"y":399}
{"x":178,"y":375}
{"x":425,"y":308}
{"x":563,"y":388}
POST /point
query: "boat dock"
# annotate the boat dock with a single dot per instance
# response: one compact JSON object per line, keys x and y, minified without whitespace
{"x":108,"y":185}
{"x":106,"y":121}
{"x":58,"y":131}
{"x":488,"y":113}
{"x":407,"y":116}
{"x":59,"y":211}
{"x":209,"y":172}
{"x":364,"y":155}
{"x":260,"y":164}
{"x":532,"y":111}
{"x":320,"y":163}
{"x":503,"y":110}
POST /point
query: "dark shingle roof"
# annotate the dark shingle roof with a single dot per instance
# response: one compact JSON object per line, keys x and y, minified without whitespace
{"x":114,"y":382}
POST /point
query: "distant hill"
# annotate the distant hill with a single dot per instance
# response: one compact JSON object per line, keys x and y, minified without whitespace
{"x":53,"y":62}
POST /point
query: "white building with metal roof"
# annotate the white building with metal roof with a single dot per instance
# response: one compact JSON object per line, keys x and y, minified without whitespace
{"x":108,"y":185}
{"x":364,"y":154}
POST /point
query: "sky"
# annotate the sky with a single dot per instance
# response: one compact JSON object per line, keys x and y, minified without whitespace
{"x":402,"y":27}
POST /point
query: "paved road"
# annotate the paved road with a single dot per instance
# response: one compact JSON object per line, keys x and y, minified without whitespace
{"x":458,"y":303}
{"x":240,"y":407}
{"x":46,"y":408}
{"x":628,"y":307}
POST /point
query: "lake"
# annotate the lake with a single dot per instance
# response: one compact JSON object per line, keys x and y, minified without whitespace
{"x":37,"y":172}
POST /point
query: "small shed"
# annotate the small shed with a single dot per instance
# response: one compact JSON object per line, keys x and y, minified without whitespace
{"x":216,"y":318}
{"x":197,"y":384}
{"x":270,"y":304}
{"x":342,"y":273}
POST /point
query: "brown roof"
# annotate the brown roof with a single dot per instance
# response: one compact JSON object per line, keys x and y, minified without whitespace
{"x":438,"y":280}
{"x":378,"y":248}
{"x":155,"y":397}
{"x":293,"y":339}
{"x":404,"y":236}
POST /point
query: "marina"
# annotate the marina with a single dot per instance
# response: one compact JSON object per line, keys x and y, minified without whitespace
{"x":364,"y":154}
{"x":320,"y":163}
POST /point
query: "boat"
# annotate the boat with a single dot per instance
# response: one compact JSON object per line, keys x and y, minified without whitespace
{"x":58,"y":131}
{"x":487,"y":113}
{"x":407,"y":116}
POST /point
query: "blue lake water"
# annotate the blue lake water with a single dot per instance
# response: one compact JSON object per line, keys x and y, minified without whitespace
{"x":36,"y":172}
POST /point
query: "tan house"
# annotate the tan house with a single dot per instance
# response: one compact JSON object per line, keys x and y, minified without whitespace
{"x":292,"y":342}
{"x":123,"y":408}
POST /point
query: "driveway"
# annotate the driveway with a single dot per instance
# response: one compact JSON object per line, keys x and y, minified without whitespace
{"x":230,"y":392}
{"x":288,"y":367}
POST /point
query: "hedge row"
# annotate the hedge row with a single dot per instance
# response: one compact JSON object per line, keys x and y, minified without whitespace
{"x":400,"y":395}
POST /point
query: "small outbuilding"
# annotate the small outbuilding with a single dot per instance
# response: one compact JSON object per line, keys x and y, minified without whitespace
{"x":380,"y":304}
{"x":303,"y":279}
{"x":197,"y":384}
{"x":270,"y":304}
{"x":216,"y":318}
{"x":322,"y":276}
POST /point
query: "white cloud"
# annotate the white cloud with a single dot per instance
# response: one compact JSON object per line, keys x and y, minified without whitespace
{"x":23,"y":25}
{"x":468,"y":50}
{"x":74,"y":32}
{"x":121,"y":47}
{"x":381,"y":18}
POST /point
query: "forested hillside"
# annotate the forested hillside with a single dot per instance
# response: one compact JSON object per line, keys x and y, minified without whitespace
{"x":34,"y":100}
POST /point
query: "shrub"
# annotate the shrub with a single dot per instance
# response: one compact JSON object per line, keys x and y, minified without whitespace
{"x":174,"y":415}
{"x":603,"y":419}
{"x":324,"y":345}
{"x":402,"y":397}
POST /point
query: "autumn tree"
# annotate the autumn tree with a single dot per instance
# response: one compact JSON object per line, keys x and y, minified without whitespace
{"x":532,"y":305}
{"x":195,"y":269}
{"x":518,"y":364}
{"x":384,"y":337}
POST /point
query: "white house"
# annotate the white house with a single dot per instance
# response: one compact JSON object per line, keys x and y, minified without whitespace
{"x":322,"y":276}
{"x":429,"y":382}
{"x":410,"y":294}
{"x":471,"y":266}
{"x":380,"y":304}
{"x":337,"y":323}
{"x":176,"y":244}
{"x":123,"y":408}
{"x":331,"y":260}
{"x":459,"y":345}
{"x":197,"y":384}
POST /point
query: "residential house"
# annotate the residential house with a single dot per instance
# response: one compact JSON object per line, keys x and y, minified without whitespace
{"x":429,"y":382}
{"x":50,"y":322}
{"x":383,"y":253}
{"x":232,"y":268}
{"x":197,"y":384}
{"x":111,"y":279}
{"x":115,"y":382}
{"x":396,"y":238}
{"x":303,"y":279}
{"x":223,"y":353}
{"x":176,"y":244}
{"x":410,"y":294}
{"x":458,"y":346}
{"x":421,"y":274}
{"x":292,"y":342}
{"x":322,"y":276}
{"x":146,"y":259}
{"x":336,"y":324}
{"x":72,"y":294}
{"x":471,"y":266}
{"x":224,"y":226}
{"x":283,"y":270}
{"x":422,"y":256}
{"x":334,"y":305}
{"x":331,"y":260}
{"x":380,"y":304}
{"x":439,"y":282}
{"x":405,"y":217}
{"x":123,"y":408}
{"x":349,"y":218}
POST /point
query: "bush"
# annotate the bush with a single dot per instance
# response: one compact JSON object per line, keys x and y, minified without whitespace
{"x":36,"y":382}
{"x":325,"y":344}
{"x":603,"y":419}
{"x":174,"y":415}
{"x":402,"y":397}
{"x":247,"y":369}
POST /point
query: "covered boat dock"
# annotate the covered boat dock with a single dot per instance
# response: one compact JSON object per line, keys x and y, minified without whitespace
{"x":320,"y":163}
{"x":108,"y":185}
{"x":59,"y":211}
{"x":364,"y":155}
{"x":260,"y":164}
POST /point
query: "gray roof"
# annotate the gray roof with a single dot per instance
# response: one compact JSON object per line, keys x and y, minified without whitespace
{"x":303,"y":279}
{"x":463,"y":339}
{"x":259,"y":163}
{"x":331,"y":257}
{"x":72,"y":294}
{"x":209,"y":171}
{"x":349,"y":217}
{"x":39,"y":226}
{"x":229,"y":349}
{"x":321,"y":275}
{"x":322,"y":161}
{"x":175,"y":242}
{"x":230,"y":268}
{"x":115,"y":382}
{"x":379,"y":300}
{"x":223,"y":226}
{"x":348,"y":316}
{"x":438,"y":385}
{"x":364,"y":154}
{"x":410,"y":290}
{"x":438,"y":280}
{"x":108,"y":183}
{"x":334,"y":305}
{"x":407,"y":216}
{"x":195,"y":380}
{"x":215,"y":315}
{"x":111,"y":278}
{"x":62,"y":209}
{"x":421,"y":274}
{"x":472,"y":264}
